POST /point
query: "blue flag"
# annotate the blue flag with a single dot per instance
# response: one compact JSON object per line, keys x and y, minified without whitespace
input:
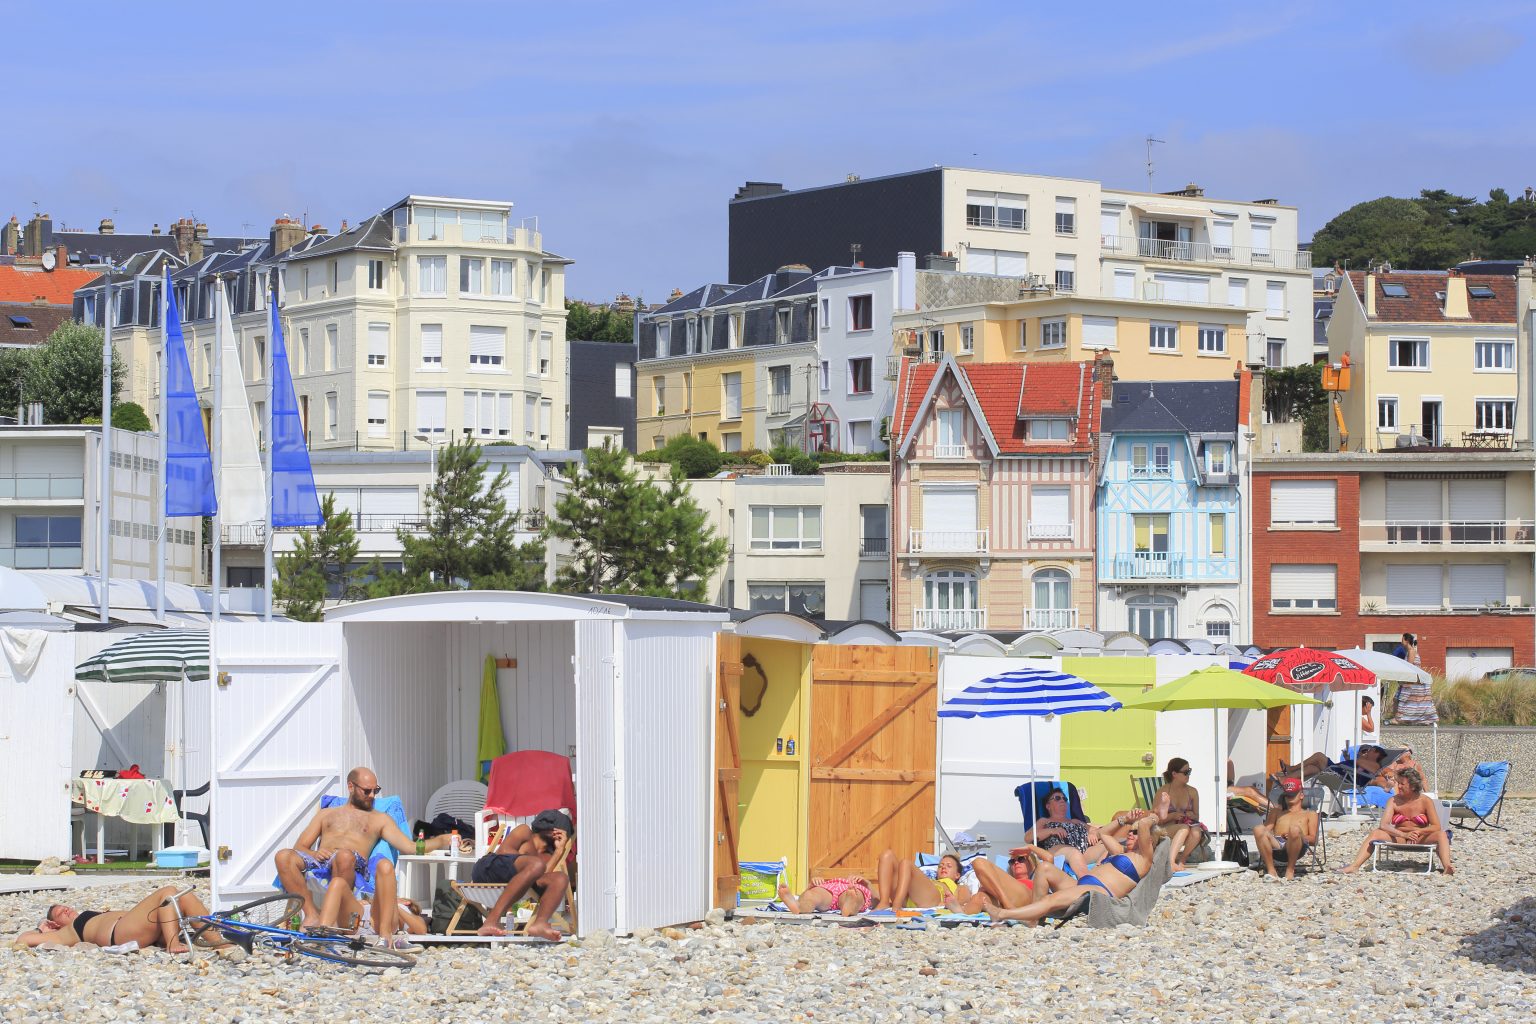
{"x":294,"y":501}
{"x":188,"y":465}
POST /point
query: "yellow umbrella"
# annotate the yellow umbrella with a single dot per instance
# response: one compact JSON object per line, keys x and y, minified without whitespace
{"x":1216,"y":687}
{"x":493,"y":742}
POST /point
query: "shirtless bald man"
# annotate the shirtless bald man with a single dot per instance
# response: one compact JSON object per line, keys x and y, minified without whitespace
{"x":334,"y":848}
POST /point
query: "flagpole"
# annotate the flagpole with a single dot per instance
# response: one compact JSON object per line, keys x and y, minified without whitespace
{"x":218,"y":454}
{"x":165,"y":451}
{"x":104,"y":530}
{"x":266,"y":554}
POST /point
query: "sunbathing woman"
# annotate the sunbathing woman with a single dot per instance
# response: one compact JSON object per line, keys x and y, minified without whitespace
{"x":1009,"y":889}
{"x":1409,"y":817}
{"x":903,"y":884}
{"x":1177,"y":806}
{"x":1054,"y":890}
{"x":848,"y":896}
{"x":151,"y":923}
{"x":1060,"y":833}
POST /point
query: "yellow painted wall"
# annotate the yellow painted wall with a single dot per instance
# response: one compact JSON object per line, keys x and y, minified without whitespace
{"x":701,"y":414}
{"x":775,"y":786}
{"x":1100,"y":752}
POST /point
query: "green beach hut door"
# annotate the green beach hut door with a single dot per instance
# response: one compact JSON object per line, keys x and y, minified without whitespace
{"x":1100,"y":753}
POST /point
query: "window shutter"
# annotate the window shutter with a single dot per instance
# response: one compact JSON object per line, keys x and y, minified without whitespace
{"x":471,"y":407}
{"x":378,"y":342}
{"x":1066,"y":205}
{"x":1302,"y":582}
{"x":1302,"y":501}
{"x":1477,"y":501}
{"x":546,"y":349}
{"x":346,"y":501}
{"x":949,"y":510}
{"x":487,"y":419}
{"x":387,"y":501}
{"x":1261,"y":238}
{"x":545,"y":410}
{"x":1012,"y":264}
{"x":980,"y":261}
{"x":1413,"y":586}
{"x":432,"y":410}
{"x":378,"y":405}
{"x":431,"y":343}
{"x":1476,"y":585}
{"x":1413,"y":501}
{"x":503,"y":414}
{"x":1050,"y":505}
{"x":1099,"y":331}
{"x":1274,"y":297}
{"x":1237,"y":292}
{"x":1125,"y":284}
{"x":1221,"y":234}
{"x":487,"y":343}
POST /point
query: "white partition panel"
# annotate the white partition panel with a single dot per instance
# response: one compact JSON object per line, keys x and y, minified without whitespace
{"x":538,"y":704}
{"x":36,"y":722}
{"x":396,"y":708}
{"x":1192,"y":735}
{"x":277,"y":744}
{"x":667,"y":773}
{"x":598,"y":706}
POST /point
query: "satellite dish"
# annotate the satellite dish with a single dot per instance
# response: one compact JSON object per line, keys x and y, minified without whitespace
{"x":50,"y":260}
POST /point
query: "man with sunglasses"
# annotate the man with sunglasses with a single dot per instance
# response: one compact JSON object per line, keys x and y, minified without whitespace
{"x":334,"y":849}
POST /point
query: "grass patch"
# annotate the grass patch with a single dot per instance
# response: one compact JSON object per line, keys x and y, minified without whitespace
{"x":1509,"y":701}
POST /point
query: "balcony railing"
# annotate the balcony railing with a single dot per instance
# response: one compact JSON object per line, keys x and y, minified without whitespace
{"x":949,"y":451}
{"x":874,"y":545}
{"x":1149,"y":565}
{"x":1204,"y":252}
{"x":1447,"y":435}
{"x":1049,"y":531}
{"x":892,"y":367}
{"x":1050,"y":618}
{"x":949,"y":542}
{"x":41,"y":558}
{"x":41,"y":487}
{"x":1461,"y":532}
{"x":778,"y":469}
{"x":243,"y":535}
{"x":941,"y":620}
{"x":778,"y":403}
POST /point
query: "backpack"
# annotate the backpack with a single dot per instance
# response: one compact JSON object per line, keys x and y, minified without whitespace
{"x":445,"y":903}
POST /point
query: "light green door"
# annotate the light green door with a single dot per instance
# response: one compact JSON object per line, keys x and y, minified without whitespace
{"x":1100,"y":752}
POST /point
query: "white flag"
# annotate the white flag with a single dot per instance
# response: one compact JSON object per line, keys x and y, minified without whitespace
{"x":242,"y":482}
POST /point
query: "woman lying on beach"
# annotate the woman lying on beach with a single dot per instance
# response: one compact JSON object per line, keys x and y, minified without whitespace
{"x":1054,"y":890}
{"x":849,"y":896}
{"x":151,"y":923}
{"x":1409,"y":817}
{"x":1011,"y":888}
{"x":901,"y":883}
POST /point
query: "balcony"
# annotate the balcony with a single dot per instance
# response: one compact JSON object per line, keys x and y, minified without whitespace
{"x":1454,"y":436}
{"x":1150,"y":565}
{"x":243,"y":535}
{"x":873,"y":547}
{"x":42,"y":487}
{"x":892,"y":367}
{"x":1436,"y":534}
{"x":1204,"y":252}
{"x":1050,"y":618}
{"x":778,"y":403}
{"x":948,"y":542}
{"x":943,"y":620}
{"x":41,"y":558}
{"x":949,"y":451}
{"x":1049,"y":531}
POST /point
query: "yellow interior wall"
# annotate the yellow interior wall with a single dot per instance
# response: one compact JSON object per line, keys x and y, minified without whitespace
{"x":775,"y":786}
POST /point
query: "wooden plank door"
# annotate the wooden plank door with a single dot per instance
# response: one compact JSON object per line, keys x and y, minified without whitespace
{"x":874,"y":715}
{"x":1100,"y":752}
{"x":1277,"y":739}
{"x":727,"y":769}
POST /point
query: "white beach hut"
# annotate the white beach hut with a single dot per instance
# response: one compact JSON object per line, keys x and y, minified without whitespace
{"x":623,"y":685}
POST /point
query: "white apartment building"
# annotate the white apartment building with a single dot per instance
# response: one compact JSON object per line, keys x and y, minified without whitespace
{"x":51,"y":508}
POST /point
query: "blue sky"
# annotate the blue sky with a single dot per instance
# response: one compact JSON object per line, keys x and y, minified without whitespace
{"x":625,"y":128}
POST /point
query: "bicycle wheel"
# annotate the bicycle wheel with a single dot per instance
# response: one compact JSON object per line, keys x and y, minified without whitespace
{"x":353,"y":954}
{"x":280,"y":912}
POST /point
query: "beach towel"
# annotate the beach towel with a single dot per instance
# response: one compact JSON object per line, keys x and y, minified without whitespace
{"x":526,"y":782}
{"x":390,"y":805}
{"x":1106,"y":912}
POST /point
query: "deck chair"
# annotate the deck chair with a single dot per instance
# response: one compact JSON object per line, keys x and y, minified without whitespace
{"x":522,"y":784}
{"x":1144,"y":790}
{"x":1483,"y":799}
{"x":483,"y":895}
{"x":1032,"y":796}
{"x":1104,"y":911}
{"x":1313,"y":798}
{"x":1428,"y":849}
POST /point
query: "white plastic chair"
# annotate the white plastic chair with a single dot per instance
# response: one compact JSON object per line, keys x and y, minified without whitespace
{"x":463,"y":800}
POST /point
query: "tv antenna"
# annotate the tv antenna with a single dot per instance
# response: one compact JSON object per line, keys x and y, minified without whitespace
{"x":1150,"y":141}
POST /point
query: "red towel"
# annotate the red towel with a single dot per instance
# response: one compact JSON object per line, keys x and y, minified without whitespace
{"x":526,"y":782}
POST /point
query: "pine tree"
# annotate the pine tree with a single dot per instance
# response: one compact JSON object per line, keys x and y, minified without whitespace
{"x":629,"y":536}
{"x":470,"y":537}
{"x":321,"y":560}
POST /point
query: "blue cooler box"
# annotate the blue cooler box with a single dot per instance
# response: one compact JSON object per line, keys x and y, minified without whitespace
{"x":178,"y":857}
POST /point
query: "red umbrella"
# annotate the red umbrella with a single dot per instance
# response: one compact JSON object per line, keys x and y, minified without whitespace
{"x":1306,"y":670}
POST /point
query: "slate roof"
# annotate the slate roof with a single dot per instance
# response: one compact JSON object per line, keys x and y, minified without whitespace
{"x":1175,"y":406}
{"x":373,"y":234}
{"x":42,"y":321}
{"x":807,"y":285}
{"x":93,"y":247}
{"x":764,"y":287}
{"x":56,"y":286}
{"x":1009,"y":394}
{"x":705,"y":295}
{"x":1423,"y":306}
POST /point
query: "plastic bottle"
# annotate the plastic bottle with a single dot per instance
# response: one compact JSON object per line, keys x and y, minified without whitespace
{"x":453,"y":843}
{"x":421,"y":842}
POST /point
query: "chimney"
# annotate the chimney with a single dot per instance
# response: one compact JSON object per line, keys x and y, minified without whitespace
{"x":200,"y":231}
{"x":155,"y":230}
{"x":39,"y":237}
{"x":184,"y":232}
{"x":343,"y":225}
{"x":1104,"y":370}
{"x":1456,"y":296}
{"x":106,"y":226}
{"x":906,"y":280}
{"x":753,"y":189}
{"x":61,"y":253}
{"x":317,"y":229}
{"x":286,"y":233}
{"x":677,"y":293}
{"x":10,"y":237}
{"x":1370,"y":293}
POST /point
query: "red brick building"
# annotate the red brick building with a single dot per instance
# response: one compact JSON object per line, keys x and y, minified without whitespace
{"x":1355,"y":549}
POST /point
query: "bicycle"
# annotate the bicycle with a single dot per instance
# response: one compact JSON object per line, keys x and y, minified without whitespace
{"x":274,"y":922}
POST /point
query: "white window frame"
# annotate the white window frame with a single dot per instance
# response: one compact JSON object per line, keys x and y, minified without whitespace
{"x":1066,"y":216}
{"x":377,"y":276}
{"x":1049,"y":428}
{"x":869,"y":375}
{"x":1237,"y":287}
{"x":1066,"y":272}
{"x":332,"y":415}
{"x":1053,"y":333}
{"x":1162,"y":336}
{"x":1275,"y":522}
{"x":1480,"y":420}
{"x":1311,"y":605}
{"x":471,"y":275}
{"x":950,"y":426}
{"x":623,"y":380}
{"x":967,"y":338}
{"x":729,"y":412}
{"x":1091,"y":325}
{"x":378,"y":360}
{"x":990,"y":210}
{"x":1420,"y":347}
{"x":488,"y":362}
{"x":663,"y":340}
{"x":1493,"y":355}
{"x":1211,"y":340}
{"x":503,"y":278}
{"x":1386,"y":413}
{"x":855,"y":303}
{"x":430,"y":362}
{"x":422,"y":428}
{"x":825,"y":376}
{"x":800,"y":514}
{"x":432,"y":275}
{"x":1271,"y":289}
{"x":332,"y":347}
{"x":1222,"y":464}
{"x":378,"y":426}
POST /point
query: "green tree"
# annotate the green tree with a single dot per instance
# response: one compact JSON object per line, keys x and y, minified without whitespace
{"x":64,"y":374}
{"x":469,"y":539}
{"x":585,"y":321}
{"x":629,"y":536}
{"x":13,"y":371}
{"x":321,"y":563}
{"x":1296,"y":393}
{"x":130,"y":416}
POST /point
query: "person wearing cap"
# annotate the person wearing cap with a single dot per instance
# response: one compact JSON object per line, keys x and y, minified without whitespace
{"x":1290,"y":825}
{"x":528,"y":858}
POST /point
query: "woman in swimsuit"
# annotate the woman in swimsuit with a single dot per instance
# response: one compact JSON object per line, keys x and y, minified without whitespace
{"x":1057,"y":831}
{"x":849,"y":896}
{"x":1055,"y":890}
{"x":1178,"y":810}
{"x":1009,"y":889}
{"x":903,"y":884}
{"x":151,"y":923}
{"x":1409,"y":817}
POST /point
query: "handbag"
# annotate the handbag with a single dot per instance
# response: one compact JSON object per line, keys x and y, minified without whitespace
{"x":1235,"y":850}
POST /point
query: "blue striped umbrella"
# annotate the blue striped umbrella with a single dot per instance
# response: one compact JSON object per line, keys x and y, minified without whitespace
{"x":1031,"y":692}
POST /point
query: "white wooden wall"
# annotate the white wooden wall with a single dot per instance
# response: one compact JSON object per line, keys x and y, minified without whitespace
{"x":597,"y":829}
{"x":397,"y":708}
{"x":538,"y":701}
{"x":36,"y":710}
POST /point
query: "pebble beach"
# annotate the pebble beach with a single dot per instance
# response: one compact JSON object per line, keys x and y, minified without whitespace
{"x":1389,"y":946}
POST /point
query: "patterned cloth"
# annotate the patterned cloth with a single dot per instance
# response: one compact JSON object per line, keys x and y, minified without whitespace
{"x":1416,"y":705}
{"x":838,"y":886}
{"x":1077,"y":836}
{"x":320,"y":870}
{"x":139,"y":801}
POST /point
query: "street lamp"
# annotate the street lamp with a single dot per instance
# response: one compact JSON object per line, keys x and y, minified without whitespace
{"x":432,"y":445}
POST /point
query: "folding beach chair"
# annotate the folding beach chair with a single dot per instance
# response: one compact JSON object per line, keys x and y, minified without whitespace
{"x":1313,"y":798}
{"x":1144,"y":790}
{"x":522,"y":784}
{"x":1032,"y":796}
{"x":1428,"y":849}
{"x":1483,"y":798}
{"x":483,"y":895}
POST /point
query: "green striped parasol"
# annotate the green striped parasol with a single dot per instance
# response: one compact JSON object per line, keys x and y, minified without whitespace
{"x":161,"y":655}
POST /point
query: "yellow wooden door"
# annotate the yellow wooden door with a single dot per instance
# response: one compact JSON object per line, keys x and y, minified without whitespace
{"x":772,"y":713}
{"x":1101,"y":751}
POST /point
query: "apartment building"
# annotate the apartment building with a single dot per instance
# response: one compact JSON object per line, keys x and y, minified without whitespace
{"x":51,"y":507}
{"x":1357,"y":548}
{"x":817,"y":546}
{"x":992,"y":495}
{"x":1072,"y":235}
{"x":793,"y":357}
{"x":434,"y":316}
{"x":1169,"y":510}
{"x":1434,"y":361}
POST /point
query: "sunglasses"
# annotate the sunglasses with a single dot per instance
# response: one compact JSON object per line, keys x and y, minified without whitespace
{"x":375,"y":791}
{"x":1185,"y":771}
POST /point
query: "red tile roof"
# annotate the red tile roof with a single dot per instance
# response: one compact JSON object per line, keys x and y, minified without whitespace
{"x":1423,"y":306}
{"x":55,"y":287}
{"x":1010,"y":393}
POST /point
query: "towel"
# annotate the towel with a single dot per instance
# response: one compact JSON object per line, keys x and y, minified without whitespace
{"x":526,"y":782}
{"x":22,"y":648}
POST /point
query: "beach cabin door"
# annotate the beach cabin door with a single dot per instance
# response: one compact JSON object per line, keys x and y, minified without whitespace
{"x":278,"y":735}
{"x":874,"y":737}
{"x":727,"y":770}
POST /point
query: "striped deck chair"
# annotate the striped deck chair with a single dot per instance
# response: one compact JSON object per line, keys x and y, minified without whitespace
{"x":483,"y":895}
{"x":1144,"y":790}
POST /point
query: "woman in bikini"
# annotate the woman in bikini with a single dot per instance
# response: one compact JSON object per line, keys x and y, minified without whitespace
{"x":1177,"y":806}
{"x":849,"y":896}
{"x":1007,"y":889}
{"x":901,"y":883}
{"x":1409,"y":817}
{"x":1054,"y":890}
{"x":151,"y":923}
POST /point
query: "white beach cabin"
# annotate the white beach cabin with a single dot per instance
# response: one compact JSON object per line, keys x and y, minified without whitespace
{"x":623,"y":685}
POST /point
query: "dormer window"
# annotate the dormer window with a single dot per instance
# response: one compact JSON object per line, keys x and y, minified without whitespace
{"x":1479,"y":291}
{"x":1052,"y":429}
{"x":1218,"y":458}
{"x":1394,"y":291}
